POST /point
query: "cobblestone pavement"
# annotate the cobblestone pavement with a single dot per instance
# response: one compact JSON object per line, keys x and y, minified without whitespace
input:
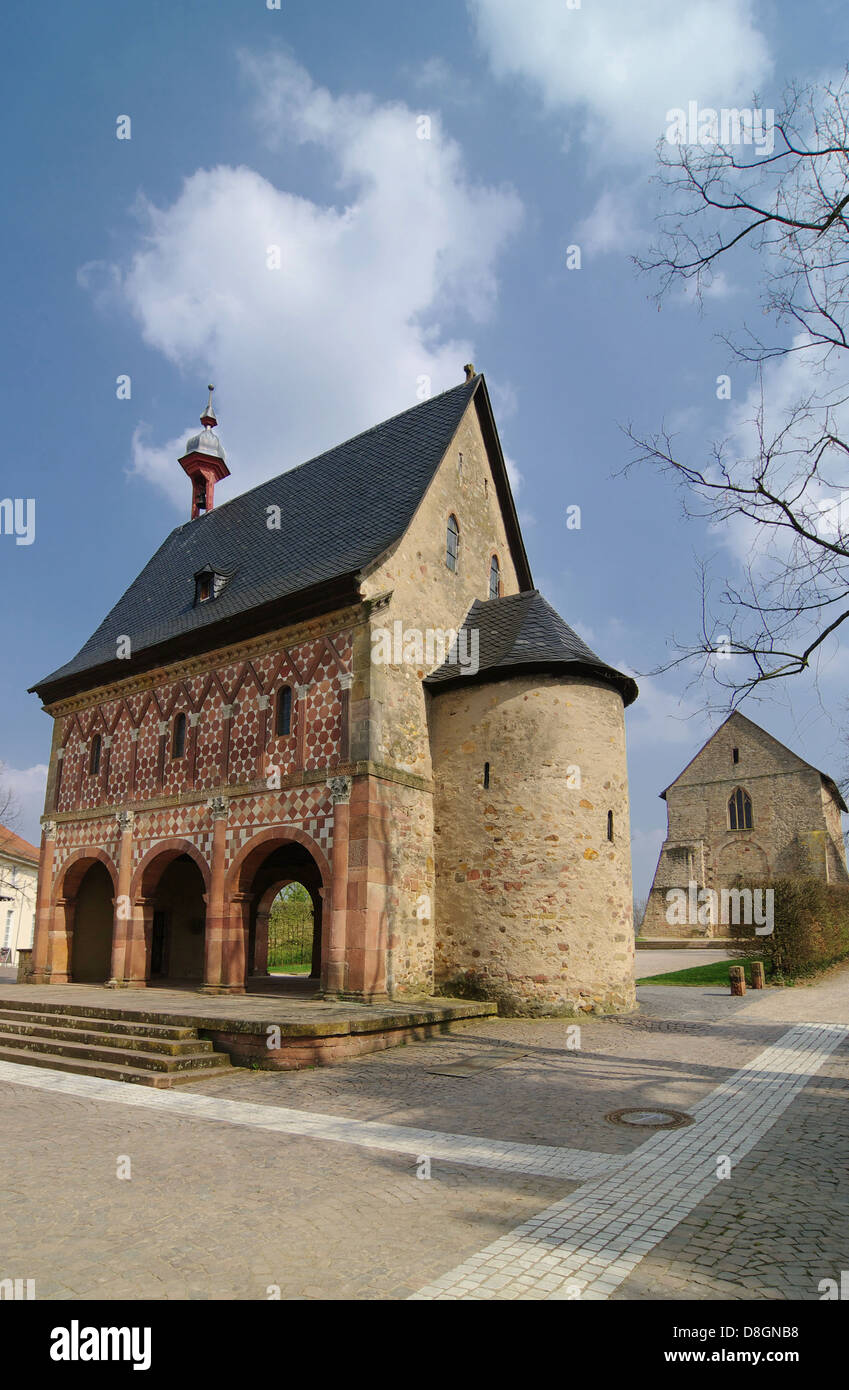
{"x":219,"y":1207}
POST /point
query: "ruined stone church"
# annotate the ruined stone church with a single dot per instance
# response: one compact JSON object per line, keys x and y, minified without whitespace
{"x":745,"y":810}
{"x":344,"y":678}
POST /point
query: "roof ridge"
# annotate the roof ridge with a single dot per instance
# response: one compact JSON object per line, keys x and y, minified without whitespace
{"x":352,"y":439}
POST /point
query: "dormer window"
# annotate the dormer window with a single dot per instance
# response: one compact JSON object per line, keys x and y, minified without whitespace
{"x":208,"y":584}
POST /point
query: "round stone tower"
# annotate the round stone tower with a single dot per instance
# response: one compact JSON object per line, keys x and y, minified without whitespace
{"x":532,"y":846}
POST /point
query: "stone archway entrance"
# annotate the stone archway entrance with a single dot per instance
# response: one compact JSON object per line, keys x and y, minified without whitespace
{"x":167,"y":941}
{"x":93,"y":912}
{"x":255,"y":881}
{"x":178,"y":924}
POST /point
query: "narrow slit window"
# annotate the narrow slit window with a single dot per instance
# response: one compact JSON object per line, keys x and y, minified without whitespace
{"x":610,"y":825}
{"x":494,"y":578}
{"x":178,"y":737}
{"x":740,"y":810}
{"x":94,"y":756}
{"x":284,"y":711}
{"x":486,"y":776}
{"x":452,"y":543}
{"x":735,"y":755}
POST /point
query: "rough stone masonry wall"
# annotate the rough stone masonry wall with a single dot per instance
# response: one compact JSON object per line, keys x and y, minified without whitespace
{"x":425,"y":595}
{"x":533,"y":902}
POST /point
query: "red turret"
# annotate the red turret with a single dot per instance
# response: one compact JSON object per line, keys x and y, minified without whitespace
{"x":204,"y":462}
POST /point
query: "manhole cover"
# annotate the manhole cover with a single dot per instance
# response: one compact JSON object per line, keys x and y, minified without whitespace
{"x":650,"y":1119}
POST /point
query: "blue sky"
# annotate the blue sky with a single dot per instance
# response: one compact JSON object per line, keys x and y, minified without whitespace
{"x":400,"y":257}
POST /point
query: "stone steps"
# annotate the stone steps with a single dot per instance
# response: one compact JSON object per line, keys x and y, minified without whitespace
{"x":119,"y":1049}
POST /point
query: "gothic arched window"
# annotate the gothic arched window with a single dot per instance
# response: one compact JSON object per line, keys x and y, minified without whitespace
{"x":94,"y":756}
{"x":452,"y":543}
{"x":283,"y":724}
{"x":739,"y":810}
{"x":178,"y":737}
{"x":494,"y":578}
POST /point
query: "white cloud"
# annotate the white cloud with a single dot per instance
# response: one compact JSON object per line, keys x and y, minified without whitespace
{"x":611,"y":225}
{"x":25,"y":787}
{"x":620,"y":66}
{"x":662,"y":716}
{"x":364,"y":302}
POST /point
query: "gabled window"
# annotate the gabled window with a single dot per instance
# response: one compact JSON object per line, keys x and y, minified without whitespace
{"x":739,"y":810}
{"x":178,"y":736}
{"x":452,"y":543}
{"x":94,"y":756}
{"x":494,"y":578}
{"x":283,"y":722}
{"x":208,"y":584}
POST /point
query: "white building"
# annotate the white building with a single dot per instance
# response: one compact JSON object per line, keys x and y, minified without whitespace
{"x":18,"y":878}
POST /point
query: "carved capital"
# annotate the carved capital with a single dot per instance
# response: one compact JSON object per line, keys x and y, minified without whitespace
{"x":346,"y":681}
{"x":125,"y":820}
{"x":219,"y":806}
{"x":301,"y":691}
{"x":340,"y":789}
{"x":49,"y":828}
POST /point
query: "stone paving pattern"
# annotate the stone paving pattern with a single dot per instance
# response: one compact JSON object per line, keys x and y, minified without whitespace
{"x":223,"y":1211}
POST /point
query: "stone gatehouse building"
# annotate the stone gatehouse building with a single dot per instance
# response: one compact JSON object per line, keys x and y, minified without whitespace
{"x":745,"y":810}
{"x":276,"y":698}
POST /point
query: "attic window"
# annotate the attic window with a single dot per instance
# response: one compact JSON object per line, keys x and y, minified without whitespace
{"x":208,"y":585}
{"x":452,"y":543}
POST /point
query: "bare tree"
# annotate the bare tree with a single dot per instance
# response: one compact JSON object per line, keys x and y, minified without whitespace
{"x":783,"y":214}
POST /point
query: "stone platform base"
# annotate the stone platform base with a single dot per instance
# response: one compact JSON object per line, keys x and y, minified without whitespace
{"x":260,"y":1031}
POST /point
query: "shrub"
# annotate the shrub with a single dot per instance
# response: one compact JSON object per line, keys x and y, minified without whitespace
{"x":811,"y":927}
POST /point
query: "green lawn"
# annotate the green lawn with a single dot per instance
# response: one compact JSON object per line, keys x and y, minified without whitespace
{"x":716,"y":974}
{"x":289,"y":969}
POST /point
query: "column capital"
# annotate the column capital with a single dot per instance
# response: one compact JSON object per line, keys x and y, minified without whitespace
{"x":219,"y":806}
{"x":340,"y":789}
{"x":346,"y":681}
{"x":49,"y":828}
{"x":301,"y":690}
{"x":125,"y":820}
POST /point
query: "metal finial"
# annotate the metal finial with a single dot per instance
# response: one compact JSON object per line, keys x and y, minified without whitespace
{"x":208,"y":417}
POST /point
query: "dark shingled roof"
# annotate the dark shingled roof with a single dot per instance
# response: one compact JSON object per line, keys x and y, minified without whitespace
{"x":338,"y":512}
{"x":523,"y":631}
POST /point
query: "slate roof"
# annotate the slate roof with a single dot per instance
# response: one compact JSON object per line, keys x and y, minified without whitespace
{"x":339,"y":511}
{"x":523,"y":631}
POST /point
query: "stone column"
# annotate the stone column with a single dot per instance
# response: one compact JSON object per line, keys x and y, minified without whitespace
{"x":216,"y":924}
{"x":235,"y":944}
{"x":259,"y":965}
{"x":335,"y":972}
{"x":139,"y":938}
{"x":61,"y":942}
{"x":121,"y":922}
{"x":44,"y":890}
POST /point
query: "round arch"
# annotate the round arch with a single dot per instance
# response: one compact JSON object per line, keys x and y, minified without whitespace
{"x":163,"y":853}
{"x":258,"y":848}
{"x":74,"y":869}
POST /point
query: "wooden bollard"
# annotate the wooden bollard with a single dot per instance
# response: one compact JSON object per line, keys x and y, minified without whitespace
{"x":737,"y":976}
{"x":758,"y":977}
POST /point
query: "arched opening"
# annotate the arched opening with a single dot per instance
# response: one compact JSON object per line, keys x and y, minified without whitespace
{"x":93,"y":913}
{"x":177,"y":922}
{"x":284,"y":946}
{"x":294,"y":947}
